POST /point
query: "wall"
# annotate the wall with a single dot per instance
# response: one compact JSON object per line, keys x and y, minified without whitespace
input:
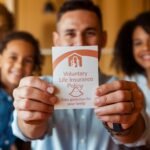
{"x":2,"y":1}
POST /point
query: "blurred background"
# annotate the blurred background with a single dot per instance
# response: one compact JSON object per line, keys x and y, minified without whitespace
{"x":38,"y":17}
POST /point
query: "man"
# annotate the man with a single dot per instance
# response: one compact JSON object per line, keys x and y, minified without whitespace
{"x":118,"y":103}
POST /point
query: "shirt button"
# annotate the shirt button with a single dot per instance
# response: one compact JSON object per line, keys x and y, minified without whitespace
{"x":9,"y":98}
{"x":6,"y":142}
{"x":82,"y":141}
{"x":83,"y":117}
{"x":9,"y":124}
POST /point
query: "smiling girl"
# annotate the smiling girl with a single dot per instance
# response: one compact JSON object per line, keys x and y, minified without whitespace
{"x":132,"y":53}
{"x":19,"y":57}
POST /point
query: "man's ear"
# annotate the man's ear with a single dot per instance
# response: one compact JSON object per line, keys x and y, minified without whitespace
{"x":55,"y":39}
{"x":103,"y":39}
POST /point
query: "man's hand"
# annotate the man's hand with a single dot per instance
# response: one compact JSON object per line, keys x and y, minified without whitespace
{"x":119,"y":102}
{"x":34,"y":101}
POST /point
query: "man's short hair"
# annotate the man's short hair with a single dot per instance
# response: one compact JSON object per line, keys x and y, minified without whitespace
{"x":80,"y":5}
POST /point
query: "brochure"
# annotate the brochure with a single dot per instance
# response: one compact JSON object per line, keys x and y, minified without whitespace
{"x":75,"y":74}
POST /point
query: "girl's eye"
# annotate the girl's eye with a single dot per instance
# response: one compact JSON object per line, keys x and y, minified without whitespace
{"x":137,"y":43}
{"x":29,"y":61}
{"x":12,"y":57}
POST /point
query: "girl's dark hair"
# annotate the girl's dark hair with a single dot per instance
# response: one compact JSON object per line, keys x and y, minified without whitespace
{"x":8,"y":16}
{"x":25,"y":36}
{"x":123,"y":59}
{"x":143,"y":20}
{"x":80,"y":5}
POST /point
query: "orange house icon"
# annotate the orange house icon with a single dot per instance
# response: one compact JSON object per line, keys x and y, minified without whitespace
{"x":75,"y":60}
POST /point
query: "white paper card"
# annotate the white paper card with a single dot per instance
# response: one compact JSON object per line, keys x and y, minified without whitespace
{"x":75,"y":74}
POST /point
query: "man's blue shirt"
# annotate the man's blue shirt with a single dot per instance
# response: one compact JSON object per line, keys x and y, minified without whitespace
{"x":74,"y":129}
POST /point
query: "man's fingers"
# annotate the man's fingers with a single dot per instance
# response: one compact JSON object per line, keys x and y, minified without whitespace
{"x":114,"y":97}
{"x":117,"y":108}
{"x":114,"y":86}
{"x":119,"y":102}
{"x":38,"y":83}
{"x":122,"y":119}
{"x":138,"y":97}
{"x":34,"y":94}
{"x":35,"y":106}
{"x":33,"y":116}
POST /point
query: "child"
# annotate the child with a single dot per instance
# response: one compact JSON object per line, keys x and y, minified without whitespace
{"x":19,"y":57}
{"x":132,"y":53}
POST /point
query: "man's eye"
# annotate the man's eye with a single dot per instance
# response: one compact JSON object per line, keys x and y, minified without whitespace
{"x":89,"y":33}
{"x":70,"y":34}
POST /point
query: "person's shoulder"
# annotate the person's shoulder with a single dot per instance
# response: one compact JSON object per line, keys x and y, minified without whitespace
{"x":103,"y":78}
{"x":46,"y":78}
{"x":136,"y":78}
{"x":140,"y":79}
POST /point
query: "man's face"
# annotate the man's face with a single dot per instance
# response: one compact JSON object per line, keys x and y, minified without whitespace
{"x":78,"y":28}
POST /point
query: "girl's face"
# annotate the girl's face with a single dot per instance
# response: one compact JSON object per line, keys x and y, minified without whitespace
{"x":16,"y":61}
{"x":141,"y":47}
